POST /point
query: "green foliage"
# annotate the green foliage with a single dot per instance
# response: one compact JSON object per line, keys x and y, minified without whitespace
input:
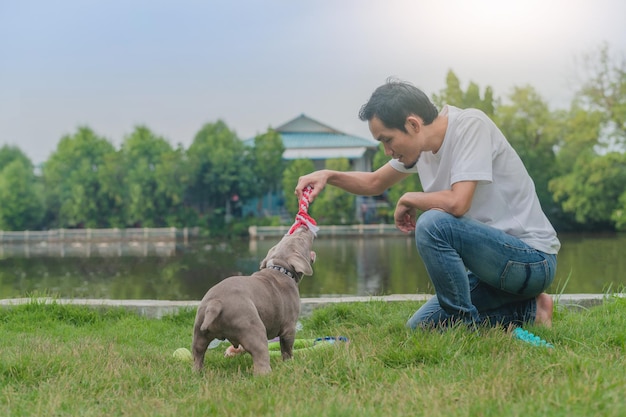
{"x":455,"y":96}
{"x":114,"y":185}
{"x":619,"y":214}
{"x":8,"y":154}
{"x":591,"y":180}
{"x":220,"y":169}
{"x":592,"y":191}
{"x":148,"y":203}
{"x":604,"y":91}
{"x":21,"y":194}
{"x":21,"y":197}
{"x":334,"y":205}
{"x":173,"y":177}
{"x":295,"y":169}
{"x":452,"y":94}
{"x":267,"y":160}
{"x":578,"y":132}
{"x":73,"y":184}
{"x":267,"y":165}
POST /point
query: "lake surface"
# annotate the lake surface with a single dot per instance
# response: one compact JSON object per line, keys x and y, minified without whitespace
{"x":345,"y":266}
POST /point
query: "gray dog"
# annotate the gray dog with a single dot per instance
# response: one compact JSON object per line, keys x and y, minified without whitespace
{"x":250,"y":310}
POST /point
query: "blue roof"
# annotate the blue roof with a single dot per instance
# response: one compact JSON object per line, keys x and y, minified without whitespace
{"x":325,"y":140}
{"x":306,"y":133}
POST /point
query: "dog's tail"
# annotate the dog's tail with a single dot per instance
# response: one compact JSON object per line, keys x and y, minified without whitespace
{"x":212,"y":311}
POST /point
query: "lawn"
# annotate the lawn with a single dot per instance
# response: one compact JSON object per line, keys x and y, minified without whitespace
{"x":63,"y":360}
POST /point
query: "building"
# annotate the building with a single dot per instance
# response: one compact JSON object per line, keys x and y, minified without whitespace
{"x":306,"y":138}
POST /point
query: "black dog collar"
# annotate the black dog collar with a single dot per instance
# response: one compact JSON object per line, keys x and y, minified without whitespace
{"x":284,"y":271}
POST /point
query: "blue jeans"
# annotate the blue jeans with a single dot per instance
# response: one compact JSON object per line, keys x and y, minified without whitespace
{"x":481,"y":275}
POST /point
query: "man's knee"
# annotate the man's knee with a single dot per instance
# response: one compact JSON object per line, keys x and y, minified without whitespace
{"x":430,"y":222}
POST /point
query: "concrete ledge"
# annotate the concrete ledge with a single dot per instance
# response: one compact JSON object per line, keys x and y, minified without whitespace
{"x":148,"y":308}
{"x":160,"y":308}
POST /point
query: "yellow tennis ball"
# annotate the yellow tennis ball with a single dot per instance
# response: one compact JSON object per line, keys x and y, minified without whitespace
{"x":183,"y":354}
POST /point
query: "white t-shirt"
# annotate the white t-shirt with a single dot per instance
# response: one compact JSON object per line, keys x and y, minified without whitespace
{"x":474,"y":149}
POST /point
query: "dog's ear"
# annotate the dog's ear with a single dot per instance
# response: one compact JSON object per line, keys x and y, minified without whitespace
{"x":300,"y":264}
{"x":300,"y":251}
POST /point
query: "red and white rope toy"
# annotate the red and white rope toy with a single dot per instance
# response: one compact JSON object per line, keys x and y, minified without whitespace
{"x":303,"y":218}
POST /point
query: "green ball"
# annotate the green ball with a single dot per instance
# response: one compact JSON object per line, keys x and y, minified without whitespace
{"x":183,"y":354}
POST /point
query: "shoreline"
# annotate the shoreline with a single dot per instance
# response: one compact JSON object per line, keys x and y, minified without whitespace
{"x":326,"y":231}
{"x":160,"y":308}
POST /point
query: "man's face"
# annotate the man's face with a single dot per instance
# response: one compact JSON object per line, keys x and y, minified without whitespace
{"x":403,"y":146}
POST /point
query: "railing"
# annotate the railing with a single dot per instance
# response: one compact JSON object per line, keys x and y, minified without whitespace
{"x":94,"y":242}
{"x":261,"y":232}
{"x":97,"y":235}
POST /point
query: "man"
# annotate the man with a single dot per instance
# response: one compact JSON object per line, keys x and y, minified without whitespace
{"x":488,"y":248}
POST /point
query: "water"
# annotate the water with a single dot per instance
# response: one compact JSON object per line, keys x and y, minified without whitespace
{"x":345,"y":266}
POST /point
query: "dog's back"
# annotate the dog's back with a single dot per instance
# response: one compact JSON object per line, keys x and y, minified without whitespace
{"x":267,"y":294}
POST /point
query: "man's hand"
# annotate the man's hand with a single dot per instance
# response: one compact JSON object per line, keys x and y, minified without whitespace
{"x":405,"y":217}
{"x":316,"y":179}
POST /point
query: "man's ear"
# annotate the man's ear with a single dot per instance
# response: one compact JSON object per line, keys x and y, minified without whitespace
{"x":413,"y":124}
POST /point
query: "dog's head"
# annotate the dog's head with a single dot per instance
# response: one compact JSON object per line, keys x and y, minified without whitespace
{"x":293,"y":252}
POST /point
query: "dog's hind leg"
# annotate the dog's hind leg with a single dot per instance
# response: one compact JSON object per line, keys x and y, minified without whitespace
{"x":210,"y":313}
{"x":255,"y":343}
{"x":201,"y":334}
{"x":287,"y":340}
{"x":199,"y":346}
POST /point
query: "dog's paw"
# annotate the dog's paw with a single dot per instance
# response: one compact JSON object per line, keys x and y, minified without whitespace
{"x":234,"y":351}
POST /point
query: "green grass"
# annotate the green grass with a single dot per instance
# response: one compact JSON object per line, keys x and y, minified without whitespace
{"x":59,"y":360}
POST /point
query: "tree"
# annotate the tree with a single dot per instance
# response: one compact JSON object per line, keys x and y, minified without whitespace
{"x":334,"y":205}
{"x":141,"y":155}
{"x":221,"y":171}
{"x":113,"y":180}
{"x":471,"y":98}
{"x":72,"y":183}
{"x":172,"y":180}
{"x":22,"y":199}
{"x":267,"y":163}
{"x":455,"y":96}
{"x":295,"y":169}
{"x":9,"y":153}
{"x":594,"y":190}
{"x":578,"y":133}
{"x":604,"y":91}
{"x":452,"y":94}
{"x":591,"y":182}
{"x":489,"y":102}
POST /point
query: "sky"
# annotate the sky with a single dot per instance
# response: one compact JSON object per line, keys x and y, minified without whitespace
{"x":174,"y":66}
